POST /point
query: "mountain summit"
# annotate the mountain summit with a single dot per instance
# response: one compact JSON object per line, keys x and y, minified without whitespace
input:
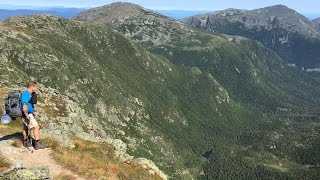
{"x":280,"y":28}
{"x":107,"y":13}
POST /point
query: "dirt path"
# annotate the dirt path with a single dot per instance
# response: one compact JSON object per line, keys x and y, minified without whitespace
{"x":20,"y":156}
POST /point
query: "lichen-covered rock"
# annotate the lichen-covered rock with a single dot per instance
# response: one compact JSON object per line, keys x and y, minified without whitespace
{"x":42,"y":173}
{"x":61,"y":116}
{"x":153,"y":169}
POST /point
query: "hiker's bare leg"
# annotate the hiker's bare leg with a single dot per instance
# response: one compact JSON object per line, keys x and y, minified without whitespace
{"x":25,"y":132}
{"x":36,"y":133}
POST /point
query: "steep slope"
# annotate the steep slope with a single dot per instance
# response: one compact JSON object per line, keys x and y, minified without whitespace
{"x":316,"y":22}
{"x":210,"y":52}
{"x":284,"y":30}
{"x":140,"y":98}
{"x":252,"y":75}
{"x":62,"y":130}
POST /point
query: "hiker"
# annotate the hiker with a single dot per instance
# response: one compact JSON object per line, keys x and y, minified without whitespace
{"x":28,"y":116}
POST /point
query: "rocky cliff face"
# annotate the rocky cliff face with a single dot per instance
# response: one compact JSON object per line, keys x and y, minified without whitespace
{"x":284,"y":30}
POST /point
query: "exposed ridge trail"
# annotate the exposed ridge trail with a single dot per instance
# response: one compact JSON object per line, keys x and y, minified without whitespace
{"x":39,"y":158}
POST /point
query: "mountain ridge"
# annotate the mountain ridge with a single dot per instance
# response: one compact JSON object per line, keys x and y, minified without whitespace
{"x":250,"y":74}
{"x":277,"y":27}
{"x":317,"y":23}
{"x":170,"y":93}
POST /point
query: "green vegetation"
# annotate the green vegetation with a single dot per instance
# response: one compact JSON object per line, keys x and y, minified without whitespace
{"x":199,"y":92}
{"x":275,"y":100}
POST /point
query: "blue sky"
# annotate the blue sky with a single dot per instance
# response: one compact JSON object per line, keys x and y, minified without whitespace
{"x":307,"y":6}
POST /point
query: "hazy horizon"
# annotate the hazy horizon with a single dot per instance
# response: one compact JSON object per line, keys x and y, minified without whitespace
{"x":173,"y":13}
{"x":207,"y":5}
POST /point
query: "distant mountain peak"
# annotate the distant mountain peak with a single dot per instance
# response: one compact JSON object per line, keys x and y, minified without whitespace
{"x":277,"y":6}
{"x":125,"y":4}
{"x":278,"y":10}
{"x":120,"y":6}
{"x":117,"y":10}
{"x":316,"y":20}
{"x":277,"y":27}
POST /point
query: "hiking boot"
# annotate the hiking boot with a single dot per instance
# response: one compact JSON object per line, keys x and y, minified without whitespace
{"x":39,"y":145}
{"x":26,"y":143}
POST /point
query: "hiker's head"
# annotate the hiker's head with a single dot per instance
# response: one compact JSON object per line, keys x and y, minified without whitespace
{"x":32,"y":86}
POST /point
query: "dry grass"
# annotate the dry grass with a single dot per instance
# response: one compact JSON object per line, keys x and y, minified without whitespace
{"x":52,"y":143}
{"x":64,"y":177}
{"x":3,"y":93}
{"x":4,"y":163}
{"x":14,"y":127}
{"x":96,"y":160}
{"x":16,"y":142}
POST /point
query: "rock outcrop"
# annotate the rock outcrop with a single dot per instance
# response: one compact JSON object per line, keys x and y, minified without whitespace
{"x":28,"y":174}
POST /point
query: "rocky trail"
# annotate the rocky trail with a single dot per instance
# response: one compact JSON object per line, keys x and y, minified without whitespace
{"x":21,"y":157}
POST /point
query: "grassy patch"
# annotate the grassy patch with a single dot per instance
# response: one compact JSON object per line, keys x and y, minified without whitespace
{"x":16,"y":142}
{"x":53,"y":144}
{"x":96,"y":160}
{"x":14,"y":127}
{"x":4,"y":163}
{"x":65,"y":177}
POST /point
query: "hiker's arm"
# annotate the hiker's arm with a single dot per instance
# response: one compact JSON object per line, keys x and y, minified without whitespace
{"x":25,"y":110}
